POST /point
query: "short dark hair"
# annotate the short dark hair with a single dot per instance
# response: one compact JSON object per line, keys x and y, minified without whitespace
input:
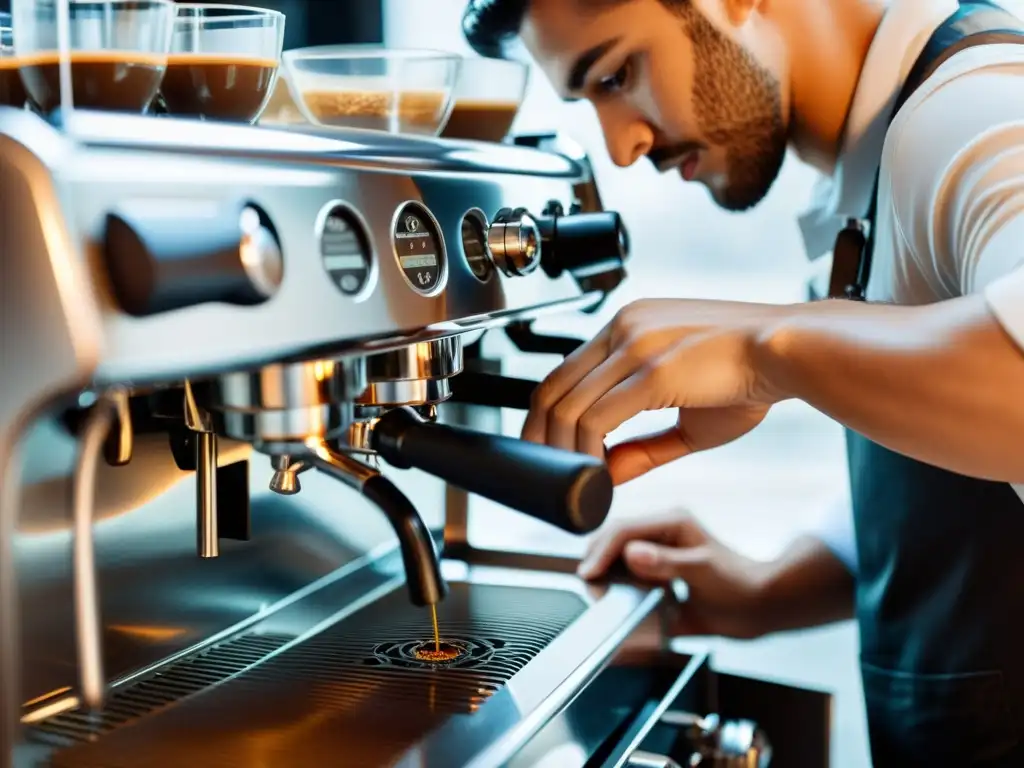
{"x":490,"y":25}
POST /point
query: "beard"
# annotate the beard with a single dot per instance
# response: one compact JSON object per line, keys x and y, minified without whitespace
{"x":738,"y":106}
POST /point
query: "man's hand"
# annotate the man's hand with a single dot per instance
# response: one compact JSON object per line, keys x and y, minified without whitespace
{"x":729,"y":594}
{"x":696,"y":356}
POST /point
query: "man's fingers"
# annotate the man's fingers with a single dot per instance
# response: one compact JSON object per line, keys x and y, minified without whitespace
{"x":607,"y":546}
{"x":560,"y":381}
{"x":643,"y":390}
{"x":633,"y":458}
{"x":654,"y":562}
{"x":563,"y":420}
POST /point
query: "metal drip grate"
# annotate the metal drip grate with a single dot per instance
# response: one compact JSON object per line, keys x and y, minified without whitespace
{"x":355,"y":694}
{"x":164,"y":687}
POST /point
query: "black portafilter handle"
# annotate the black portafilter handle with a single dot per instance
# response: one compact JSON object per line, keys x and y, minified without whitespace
{"x":582,"y":242}
{"x":166,"y":255}
{"x":568,"y":490}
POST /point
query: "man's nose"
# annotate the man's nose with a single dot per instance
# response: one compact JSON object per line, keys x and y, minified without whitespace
{"x":628,"y":138}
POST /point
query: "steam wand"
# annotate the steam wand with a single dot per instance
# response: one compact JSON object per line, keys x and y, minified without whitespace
{"x":422,"y":568}
{"x":89,"y":638}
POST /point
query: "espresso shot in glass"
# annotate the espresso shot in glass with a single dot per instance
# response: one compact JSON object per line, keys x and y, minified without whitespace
{"x":12,"y":91}
{"x":223,"y":63}
{"x":488,"y":95}
{"x":118,"y":51}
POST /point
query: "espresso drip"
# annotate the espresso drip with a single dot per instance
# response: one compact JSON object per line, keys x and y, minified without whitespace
{"x":118,"y":81}
{"x":411,"y":112}
{"x":481,"y":120}
{"x":12,"y":91}
{"x":228,"y":88}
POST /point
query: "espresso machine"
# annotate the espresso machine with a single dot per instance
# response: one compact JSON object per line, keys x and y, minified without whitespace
{"x":246,"y":395}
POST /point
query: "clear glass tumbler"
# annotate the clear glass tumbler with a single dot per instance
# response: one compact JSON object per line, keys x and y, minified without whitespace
{"x":223,"y":63}
{"x":118,"y":51}
{"x":12,"y":92}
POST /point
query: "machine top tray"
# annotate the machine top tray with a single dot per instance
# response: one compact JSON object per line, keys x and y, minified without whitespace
{"x":342,"y":147}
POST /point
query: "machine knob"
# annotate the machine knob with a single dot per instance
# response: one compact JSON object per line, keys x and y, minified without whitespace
{"x":514,"y":241}
{"x":163,"y":255}
{"x":582,"y":243}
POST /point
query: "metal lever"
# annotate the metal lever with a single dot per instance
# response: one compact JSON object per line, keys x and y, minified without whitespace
{"x":198,"y":420}
{"x":87,"y":602}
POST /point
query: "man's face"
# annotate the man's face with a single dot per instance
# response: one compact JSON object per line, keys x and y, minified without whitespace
{"x":689,"y":83}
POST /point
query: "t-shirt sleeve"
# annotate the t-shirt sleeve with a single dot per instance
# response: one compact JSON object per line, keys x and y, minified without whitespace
{"x":956,"y":159}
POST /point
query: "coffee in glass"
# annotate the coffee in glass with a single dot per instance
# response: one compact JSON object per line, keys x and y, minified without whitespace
{"x":12,"y":91}
{"x":118,"y":51}
{"x":223,"y":63}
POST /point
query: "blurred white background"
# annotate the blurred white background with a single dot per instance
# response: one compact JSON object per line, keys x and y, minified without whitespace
{"x":759,"y":492}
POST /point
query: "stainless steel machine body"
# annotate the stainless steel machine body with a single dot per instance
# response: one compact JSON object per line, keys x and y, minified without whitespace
{"x":176,"y":587}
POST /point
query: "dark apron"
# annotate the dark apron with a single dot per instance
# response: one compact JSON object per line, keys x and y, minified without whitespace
{"x":940,"y":590}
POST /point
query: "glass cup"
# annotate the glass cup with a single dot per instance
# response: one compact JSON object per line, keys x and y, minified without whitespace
{"x":12,"y":92}
{"x":118,"y":51}
{"x":373,"y":88}
{"x":488,"y":95}
{"x":223,"y":63}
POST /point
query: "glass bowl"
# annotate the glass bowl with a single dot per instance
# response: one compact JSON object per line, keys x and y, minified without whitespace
{"x":223,"y":63}
{"x":374,"y":88}
{"x":118,"y":51}
{"x":12,"y":92}
{"x":488,"y":95}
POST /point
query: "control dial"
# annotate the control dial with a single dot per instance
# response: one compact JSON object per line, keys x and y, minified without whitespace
{"x":419,"y":248}
{"x":345,"y":249}
{"x":167,"y":254}
{"x":514,"y":240}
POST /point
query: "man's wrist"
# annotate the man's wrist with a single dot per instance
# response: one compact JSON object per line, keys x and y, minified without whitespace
{"x":772,"y":351}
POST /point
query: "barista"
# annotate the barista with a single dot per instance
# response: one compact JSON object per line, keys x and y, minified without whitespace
{"x":925,"y":373}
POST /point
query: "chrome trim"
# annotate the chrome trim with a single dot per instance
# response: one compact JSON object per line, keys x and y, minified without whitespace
{"x":341,"y":147}
{"x":437,"y":359}
{"x":88,"y":624}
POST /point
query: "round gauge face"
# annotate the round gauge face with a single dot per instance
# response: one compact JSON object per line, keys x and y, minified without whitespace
{"x":474,"y":245}
{"x":419,"y":248}
{"x":345,"y":250}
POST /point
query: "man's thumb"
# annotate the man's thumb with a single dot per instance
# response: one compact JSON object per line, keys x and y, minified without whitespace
{"x":654,"y":562}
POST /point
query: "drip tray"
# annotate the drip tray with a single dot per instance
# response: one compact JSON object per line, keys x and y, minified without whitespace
{"x":364,"y":692}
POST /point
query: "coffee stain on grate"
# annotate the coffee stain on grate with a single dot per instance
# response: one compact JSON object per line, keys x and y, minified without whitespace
{"x":355,"y":692}
{"x":169,"y":684}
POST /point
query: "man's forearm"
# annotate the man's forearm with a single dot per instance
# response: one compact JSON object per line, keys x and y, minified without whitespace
{"x":806,"y":586}
{"x":942,"y":383}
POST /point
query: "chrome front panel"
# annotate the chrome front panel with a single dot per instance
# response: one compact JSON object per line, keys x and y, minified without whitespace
{"x":313,"y":558}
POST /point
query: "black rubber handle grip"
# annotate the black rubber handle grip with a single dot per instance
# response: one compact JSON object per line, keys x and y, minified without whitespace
{"x":568,"y":490}
{"x":582,"y":242}
{"x":167,"y":255}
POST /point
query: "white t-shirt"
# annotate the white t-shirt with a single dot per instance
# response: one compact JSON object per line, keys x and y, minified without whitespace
{"x":950,"y":218}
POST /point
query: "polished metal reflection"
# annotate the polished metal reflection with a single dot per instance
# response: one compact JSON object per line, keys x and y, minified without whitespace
{"x":284,"y":404}
{"x":87,"y":598}
{"x":289,"y":386}
{"x":286,"y":474}
{"x":255,"y":377}
{"x":408,"y":392}
{"x":438,"y":359}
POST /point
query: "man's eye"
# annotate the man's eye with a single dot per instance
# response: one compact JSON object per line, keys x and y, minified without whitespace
{"x":618,"y":81}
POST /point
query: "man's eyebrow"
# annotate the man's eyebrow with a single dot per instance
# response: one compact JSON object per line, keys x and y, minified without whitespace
{"x":578,"y":73}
